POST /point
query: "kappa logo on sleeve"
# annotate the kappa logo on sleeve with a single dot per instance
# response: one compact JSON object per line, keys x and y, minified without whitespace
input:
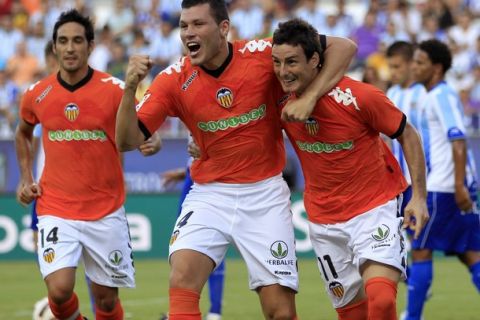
{"x":144,"y":99}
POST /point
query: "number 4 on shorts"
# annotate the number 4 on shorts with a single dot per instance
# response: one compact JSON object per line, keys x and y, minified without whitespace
{"x":184,"y":220}
{"x":51,"y":236}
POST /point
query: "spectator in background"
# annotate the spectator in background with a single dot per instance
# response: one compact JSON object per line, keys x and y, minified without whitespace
{"x":9,"y":38}
{"x":139,"y":44}
{"x":472,"y":111}
{"x":440,"y":9}
{"x":101,"y":53}
{"x":367,"y":37}
{"x":117,"y":65}
{"x":407,"y":21}
{"x":431,"y":29}
{"x":8,"y":105}
{"x":344,"y":19}
{"x":23,"y":67}
{"x":393,"y":34}
{"x":464,"y":33}
{"x":166,"y":46}
{"x":36,"y":42}
{"x":312,"y":13}
{"x":247,"y":18}
{"x":121,"y":21}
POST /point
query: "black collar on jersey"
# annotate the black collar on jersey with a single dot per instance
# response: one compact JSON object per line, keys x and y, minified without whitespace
{"x":217,"y":72}
{"x":79,"y":84}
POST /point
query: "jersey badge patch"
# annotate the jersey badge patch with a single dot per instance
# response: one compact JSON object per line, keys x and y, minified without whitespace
{"x":312,"y":126}
{"x":49,"y":255}
{"x":336,"y":288}
{"x":71,"y":111}
{"x":225,"y":97}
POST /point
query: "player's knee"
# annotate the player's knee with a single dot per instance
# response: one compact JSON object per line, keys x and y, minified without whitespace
{"x":381,"y":304}
{"x":281,"y":313}
{"x":59,"y":294}
{"x":105,"y":297}
{"x":106,"y":303}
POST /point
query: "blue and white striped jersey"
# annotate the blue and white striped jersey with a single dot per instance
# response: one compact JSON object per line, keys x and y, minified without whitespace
{"x":410,"y":100}
{"x":442,"y":123}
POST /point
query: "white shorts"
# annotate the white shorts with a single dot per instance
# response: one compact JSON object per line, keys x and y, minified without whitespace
{"x":255,"y":217}
{"x":104,"y":246}
{"x":342,"y":248}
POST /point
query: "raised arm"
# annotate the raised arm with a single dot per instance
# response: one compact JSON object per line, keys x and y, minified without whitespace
{"x":27,"y":189}
{"x":128,"y":135}
{"x":338,"y":54}
{"x":417,"y":207}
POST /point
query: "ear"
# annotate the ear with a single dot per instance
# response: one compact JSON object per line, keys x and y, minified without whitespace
{"x":54,"y":48}
{"x":224,"y":28}
{"x":314,"y":61}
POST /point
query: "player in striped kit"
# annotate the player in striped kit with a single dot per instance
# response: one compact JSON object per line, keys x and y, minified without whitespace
{"x":407,"y":95}
{"x":454,"y":226}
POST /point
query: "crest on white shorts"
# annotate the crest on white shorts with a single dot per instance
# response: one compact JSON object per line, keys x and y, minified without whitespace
{"x":336,"y":288}
{"x":49,"y":255}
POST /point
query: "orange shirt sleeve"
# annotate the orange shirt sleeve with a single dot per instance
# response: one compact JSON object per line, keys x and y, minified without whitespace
{"x":380,"y":113}
{"x":158,"y":102}
{"x":26,"y":108}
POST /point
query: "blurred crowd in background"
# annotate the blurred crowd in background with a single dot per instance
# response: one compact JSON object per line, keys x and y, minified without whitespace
{"x":125,"y":27}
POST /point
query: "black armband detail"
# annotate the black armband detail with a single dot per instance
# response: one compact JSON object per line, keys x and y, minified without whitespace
{"x":144,"y":130}
{"x":399,"y":132}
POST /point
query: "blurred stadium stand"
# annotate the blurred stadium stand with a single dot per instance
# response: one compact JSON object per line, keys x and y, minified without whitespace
{"x":125,"y":27}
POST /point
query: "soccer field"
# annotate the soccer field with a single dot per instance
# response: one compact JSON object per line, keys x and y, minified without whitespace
{"x":454,"y":297}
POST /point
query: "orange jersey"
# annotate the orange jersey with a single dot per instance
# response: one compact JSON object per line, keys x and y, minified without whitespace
{"x":232,"y":117}
{"x":82,"y":178}
{"x":348,"y":169}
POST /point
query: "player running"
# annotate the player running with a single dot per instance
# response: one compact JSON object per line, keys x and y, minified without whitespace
{"x":353,"y":184}
{"x":226,"y":95}
{"x":81,"y":192}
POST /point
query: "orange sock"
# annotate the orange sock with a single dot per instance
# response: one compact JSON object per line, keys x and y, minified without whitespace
{"x":66,"y":310}
{"x":115,"y":314}
{"x":382,"y":299}
{"x":184,"y":305}
{"x":356,"y":311}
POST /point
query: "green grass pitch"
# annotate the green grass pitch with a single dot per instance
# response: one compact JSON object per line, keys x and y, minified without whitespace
{"x":454,"y":296}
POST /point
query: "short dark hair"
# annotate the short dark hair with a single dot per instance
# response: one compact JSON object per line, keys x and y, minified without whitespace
{"x":217,"y":7}
{"x":401,"y":48}
{"x":437,"y":52}
{"x":297,"y":32}
{"x":74,"y":16}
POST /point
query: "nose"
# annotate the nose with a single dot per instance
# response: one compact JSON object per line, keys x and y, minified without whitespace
{"x":70,"y":46}
{"x":282,"y":70}
{"x":188,"y":32}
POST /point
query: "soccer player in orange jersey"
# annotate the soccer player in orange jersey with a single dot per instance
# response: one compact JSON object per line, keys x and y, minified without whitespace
{"x":81,"y":192}
{"x":353,"y":184}
{"x":226,"y":94}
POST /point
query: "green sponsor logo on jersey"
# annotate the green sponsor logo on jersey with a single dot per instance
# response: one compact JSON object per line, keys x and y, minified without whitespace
{"x":320,"y":147}
{"x":77,"y":135}
{"x":224,"y":124}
